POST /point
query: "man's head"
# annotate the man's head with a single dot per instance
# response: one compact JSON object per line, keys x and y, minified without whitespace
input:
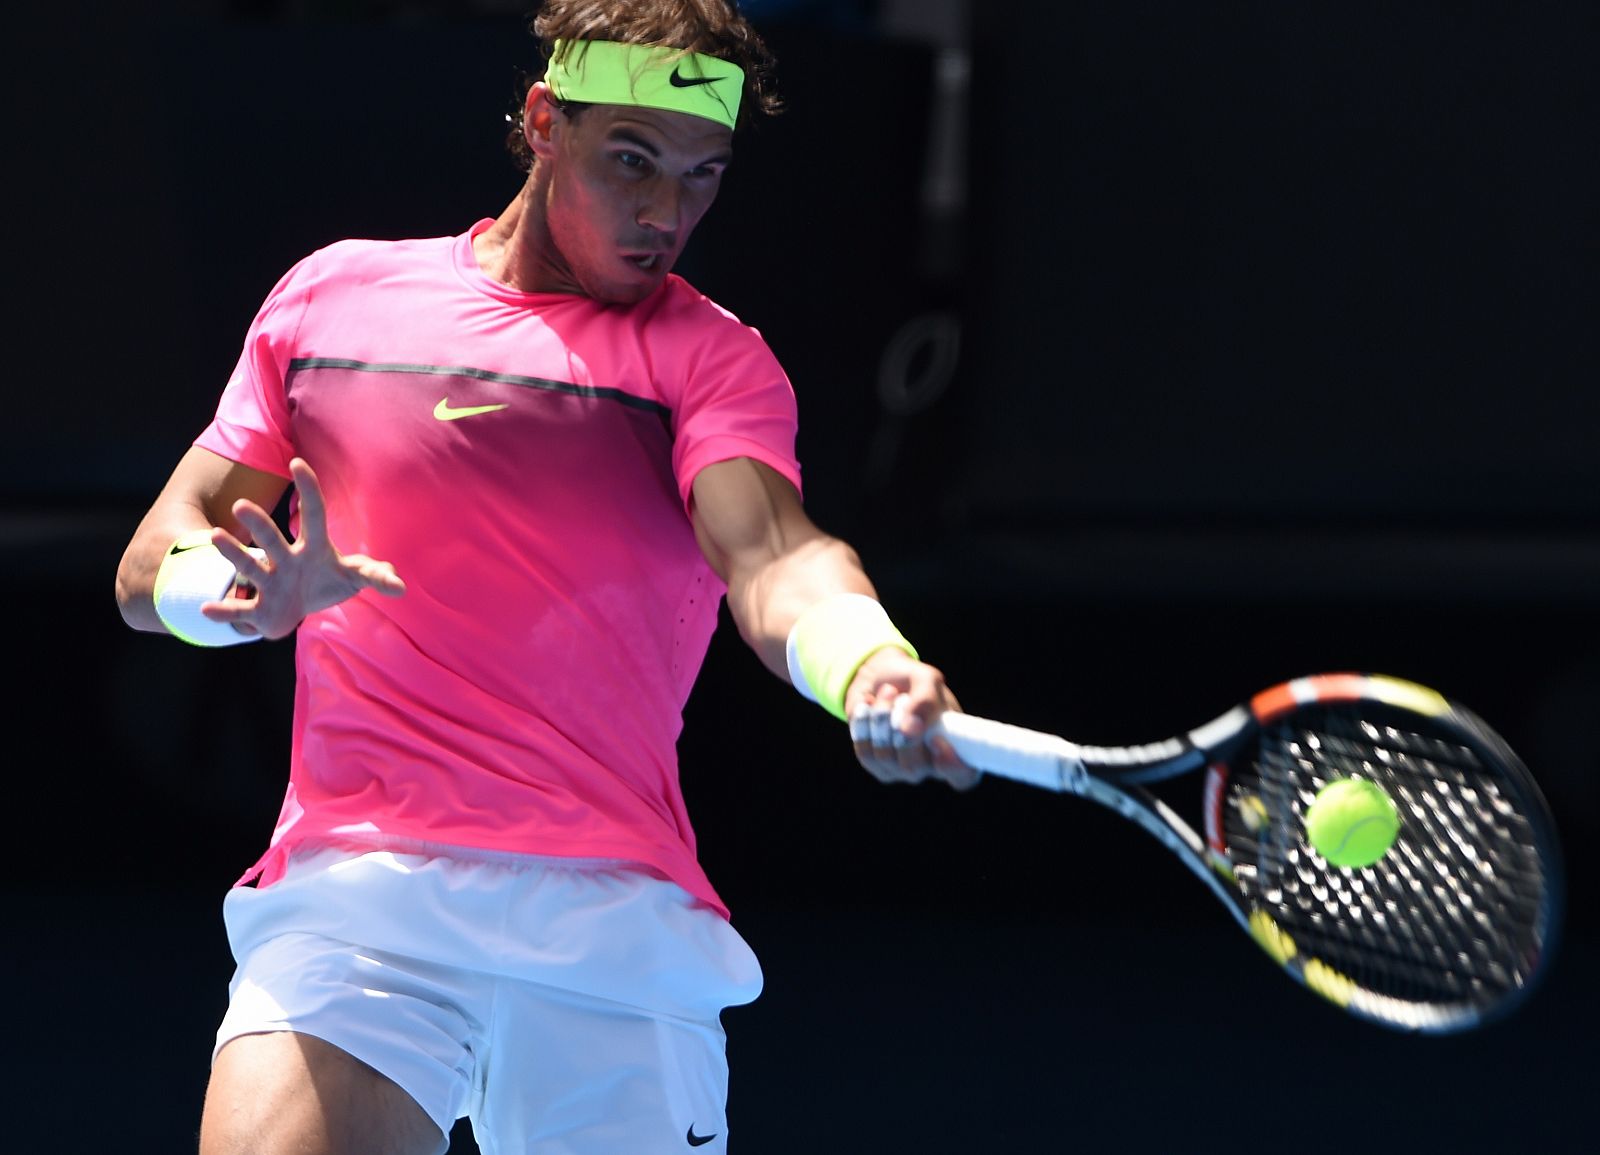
{"x":628,"y":134}
{"x":707,"y":28}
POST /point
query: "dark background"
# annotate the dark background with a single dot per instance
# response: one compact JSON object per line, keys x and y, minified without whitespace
{"x":1149,"y":354}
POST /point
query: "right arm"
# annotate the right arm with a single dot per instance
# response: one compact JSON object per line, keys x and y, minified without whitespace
{"x":233,"y":501}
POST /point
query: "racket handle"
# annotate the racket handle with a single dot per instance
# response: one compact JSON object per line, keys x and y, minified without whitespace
{"x":1014,"y":752}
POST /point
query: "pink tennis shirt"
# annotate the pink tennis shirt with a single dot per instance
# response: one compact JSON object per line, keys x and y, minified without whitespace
{"x":525,"y":462}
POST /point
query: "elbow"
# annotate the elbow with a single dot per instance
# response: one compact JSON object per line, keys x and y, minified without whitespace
{"x":125,"y":599}
{"x":136,"y":599}
{"x":126,"y":602}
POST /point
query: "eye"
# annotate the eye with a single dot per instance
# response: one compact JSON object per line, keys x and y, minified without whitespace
{"x":633,"y":160}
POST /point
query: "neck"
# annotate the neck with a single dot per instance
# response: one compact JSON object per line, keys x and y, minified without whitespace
{"x":515,"y":247}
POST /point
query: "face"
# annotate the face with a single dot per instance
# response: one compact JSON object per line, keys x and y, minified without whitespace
{"x":621,"y":190}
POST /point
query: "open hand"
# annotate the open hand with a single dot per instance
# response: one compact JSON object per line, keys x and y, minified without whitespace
{"x":287,"y":581}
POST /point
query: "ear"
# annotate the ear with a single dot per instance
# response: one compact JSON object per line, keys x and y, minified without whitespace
{"x":538,"y":114}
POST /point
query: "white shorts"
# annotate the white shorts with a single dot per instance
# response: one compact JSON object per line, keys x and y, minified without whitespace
{"x":563,"y":1005}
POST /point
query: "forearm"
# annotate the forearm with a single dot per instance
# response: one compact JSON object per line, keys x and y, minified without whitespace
{"x":849,"y":657}
{"x":768,"y":598}
{"x":779,"y":566}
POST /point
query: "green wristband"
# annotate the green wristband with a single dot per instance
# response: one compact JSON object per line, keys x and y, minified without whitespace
{"x":831,"y":640}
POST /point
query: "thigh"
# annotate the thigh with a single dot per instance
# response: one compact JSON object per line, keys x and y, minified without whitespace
{"x":358,"y":1012}
{"x":583,"y":1076}
{"x":281,"y":1092}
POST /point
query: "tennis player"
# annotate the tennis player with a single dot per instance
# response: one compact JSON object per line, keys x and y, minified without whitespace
{"x":523,"y":467}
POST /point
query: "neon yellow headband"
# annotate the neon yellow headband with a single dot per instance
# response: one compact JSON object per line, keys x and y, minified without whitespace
{"x":647,"y":76}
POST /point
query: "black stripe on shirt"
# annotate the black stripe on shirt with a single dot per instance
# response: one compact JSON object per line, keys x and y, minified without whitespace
{"x":566,"y":387}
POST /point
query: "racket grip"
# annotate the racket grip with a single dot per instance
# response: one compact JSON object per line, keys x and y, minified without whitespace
{"x":1014,"y":752}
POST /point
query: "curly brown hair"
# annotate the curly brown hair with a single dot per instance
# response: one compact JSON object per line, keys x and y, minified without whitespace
{"x":714,"y":27}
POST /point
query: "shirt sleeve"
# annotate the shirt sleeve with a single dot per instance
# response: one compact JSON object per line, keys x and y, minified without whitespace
{"x":252,"y":424}
{"x":736,"y":401}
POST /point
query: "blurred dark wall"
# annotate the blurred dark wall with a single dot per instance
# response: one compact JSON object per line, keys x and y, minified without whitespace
{"x":1325,"y":263}
{"x":178,"y":166}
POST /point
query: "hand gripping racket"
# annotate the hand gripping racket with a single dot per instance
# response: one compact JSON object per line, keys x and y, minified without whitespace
{"x":1451,"y":928}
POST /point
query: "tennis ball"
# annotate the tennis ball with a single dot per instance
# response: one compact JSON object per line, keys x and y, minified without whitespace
{"x":1352,"y":822}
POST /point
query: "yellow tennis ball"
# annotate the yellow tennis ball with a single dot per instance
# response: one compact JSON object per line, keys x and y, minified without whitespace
{"x":1352,"y":822}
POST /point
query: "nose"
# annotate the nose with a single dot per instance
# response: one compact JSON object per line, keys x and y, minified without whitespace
{"x":662,"y":207}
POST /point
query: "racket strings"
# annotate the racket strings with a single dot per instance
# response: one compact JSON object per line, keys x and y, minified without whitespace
{"x":1420,"y":907}
{"x":1451,"y":915}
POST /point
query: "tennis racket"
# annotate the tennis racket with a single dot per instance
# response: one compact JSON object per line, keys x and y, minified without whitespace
{"x":1453,"y":927}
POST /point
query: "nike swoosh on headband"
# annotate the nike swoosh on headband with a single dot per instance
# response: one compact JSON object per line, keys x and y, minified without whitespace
{"x":678,"y":80}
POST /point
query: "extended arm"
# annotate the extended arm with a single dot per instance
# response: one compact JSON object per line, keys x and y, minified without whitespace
{"x":756,"y":534}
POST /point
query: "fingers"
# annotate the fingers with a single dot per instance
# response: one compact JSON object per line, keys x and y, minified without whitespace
{"x":259,"y":528}
{"x":894,"y":698}
{"x":282,"y":582}
{"x":313,"y":509}
{"x":891,"y":742}
{"x":376,"y":575}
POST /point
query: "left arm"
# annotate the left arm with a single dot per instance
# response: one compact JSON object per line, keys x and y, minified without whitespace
{"x":777,"y":563}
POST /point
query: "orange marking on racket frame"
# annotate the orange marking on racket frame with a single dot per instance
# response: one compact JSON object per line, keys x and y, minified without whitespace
{"x":1318,"y":688}
{"x":1270,"y":703}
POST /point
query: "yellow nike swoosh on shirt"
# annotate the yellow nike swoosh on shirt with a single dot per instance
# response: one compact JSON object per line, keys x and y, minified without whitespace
{"x":444,"y":412}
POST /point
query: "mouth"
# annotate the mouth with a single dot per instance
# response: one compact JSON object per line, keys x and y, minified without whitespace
{"x":646,"y":262}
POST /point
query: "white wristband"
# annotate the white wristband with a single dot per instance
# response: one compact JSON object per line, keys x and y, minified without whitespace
{"x":830,"y":641}
{"x":195,"y":572}
{"x":797,"y":673}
